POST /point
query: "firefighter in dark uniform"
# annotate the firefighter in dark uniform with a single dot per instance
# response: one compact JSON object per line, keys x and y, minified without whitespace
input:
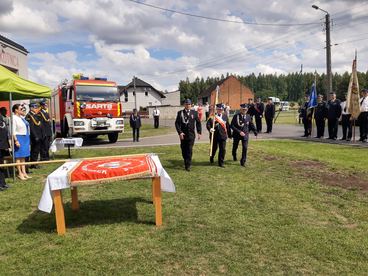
{"x":35,"y":124}
{"x":46,"y":131}
{"x":269,"y":115}
{"x":306,"y":116}
{"x":333,"y":115}
{"x":251,"y":110}
{"x":258,"y":114}
{"x":320,"y":115}
{"x":187,"y":121}
{"x":241,"y":124}
{"x":221,"y":132}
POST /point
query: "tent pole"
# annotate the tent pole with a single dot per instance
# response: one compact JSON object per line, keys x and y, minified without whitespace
{"x":11,"y":130}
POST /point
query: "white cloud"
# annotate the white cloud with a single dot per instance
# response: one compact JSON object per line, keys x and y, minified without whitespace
{"x":119,"y":35}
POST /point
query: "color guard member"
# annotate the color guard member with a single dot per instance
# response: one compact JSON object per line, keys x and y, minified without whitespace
{"x":186,"y":123}
{"x":241,"y":124}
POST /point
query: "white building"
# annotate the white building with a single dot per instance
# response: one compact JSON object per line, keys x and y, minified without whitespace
{"x":172,"y":98}
{"x":144,"y":95}
{"x":14,"y":57}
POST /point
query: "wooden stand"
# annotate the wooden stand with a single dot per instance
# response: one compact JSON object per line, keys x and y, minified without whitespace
{"x":59,"y":208}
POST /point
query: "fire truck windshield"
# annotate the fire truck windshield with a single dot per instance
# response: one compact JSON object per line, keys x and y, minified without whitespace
{"x":97,"y":93}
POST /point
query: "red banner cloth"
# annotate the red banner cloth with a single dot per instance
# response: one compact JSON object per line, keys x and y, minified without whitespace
{"x":112,"y":168}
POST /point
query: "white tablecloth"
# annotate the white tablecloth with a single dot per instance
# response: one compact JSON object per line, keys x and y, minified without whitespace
{"x":58,"y":180}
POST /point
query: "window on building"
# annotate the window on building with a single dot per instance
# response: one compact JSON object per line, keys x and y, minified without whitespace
{"x":133,"y":93}
{"x":126,"y":95}
{"x":145,"y":92}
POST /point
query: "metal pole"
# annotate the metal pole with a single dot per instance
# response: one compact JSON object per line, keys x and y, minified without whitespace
{"x":328,"y":55}
{"x":135,"y":94}
{"x":11,"y":130}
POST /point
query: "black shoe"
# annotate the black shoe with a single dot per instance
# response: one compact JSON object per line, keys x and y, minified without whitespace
{"x":6,"y":186}
{"x":221,"y":165}
{"x":304,"y":136}
{"x":242,"y":164}
{"x":211,"y":160}
{"x":187,"y":169}
{"x":343,"y":138}
{"x":234,"y":158}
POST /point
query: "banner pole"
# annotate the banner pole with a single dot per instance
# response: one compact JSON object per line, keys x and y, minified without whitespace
{"x":353,"y":130}
{"x":213,"y":120}
{"x":11,"y":130}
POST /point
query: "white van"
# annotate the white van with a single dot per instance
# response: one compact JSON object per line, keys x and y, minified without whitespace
{"x":284,"y":105}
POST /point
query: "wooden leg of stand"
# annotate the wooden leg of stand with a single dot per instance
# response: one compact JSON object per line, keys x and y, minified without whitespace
{"x":153,"y":191}
{"x":59,"y":212}
{"x":75,"y":202}
{"x":157,"y":200}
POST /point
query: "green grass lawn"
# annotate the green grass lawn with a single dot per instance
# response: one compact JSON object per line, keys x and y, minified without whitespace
{"x":287,"y":117}
{"x":146,"y":130}
{"x":276,"y":216}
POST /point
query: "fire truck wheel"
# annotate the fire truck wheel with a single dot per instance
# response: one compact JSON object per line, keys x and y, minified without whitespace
{"x":113,"y":137}
{"x":67,"y":131}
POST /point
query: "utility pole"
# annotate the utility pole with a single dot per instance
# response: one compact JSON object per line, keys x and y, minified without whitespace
{"x":328,"y":55}
{"x":328,"y":49}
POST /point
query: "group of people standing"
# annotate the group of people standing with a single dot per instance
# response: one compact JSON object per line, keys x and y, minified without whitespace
{"x":32,"y":135}
{"x":334,"y":111}
{"x":187,"y":124}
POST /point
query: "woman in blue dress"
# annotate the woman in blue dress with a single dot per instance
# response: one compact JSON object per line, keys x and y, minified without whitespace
{"x":21,"y":139}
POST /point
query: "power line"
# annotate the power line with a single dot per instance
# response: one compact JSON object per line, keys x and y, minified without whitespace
{"x":223,"y":20}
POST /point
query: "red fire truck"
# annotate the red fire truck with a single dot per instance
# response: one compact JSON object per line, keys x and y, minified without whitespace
{"x":87,"y":107}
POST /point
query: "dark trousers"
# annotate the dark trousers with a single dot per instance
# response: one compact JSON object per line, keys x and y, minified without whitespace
{"x":269,"y":122}
{"x":156,"y":120}
{"x":207,"y":115}
{"x":187,"y":151}
{"x":244,"y":143}
{"x":320,"y":124}
{"x":45,"y":146}
{"x":363,"y":125}
{"x":307,"y":123}
{"x":221,"y":144}
{"x":35,"y":149}
{"x":333,"y":125}
{"x":258,"y":120}
{"x":346,"y":126}
{"x":135,"y":134}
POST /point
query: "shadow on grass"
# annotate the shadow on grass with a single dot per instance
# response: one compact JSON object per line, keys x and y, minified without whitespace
{"x":93,"y":212}
{"x":179,"y":163}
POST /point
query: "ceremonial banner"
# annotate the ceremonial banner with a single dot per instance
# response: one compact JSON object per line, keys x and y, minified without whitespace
{"x":110,"y":169}
{"x":352,"y":101}
{"x":101,"y":170}
{"x":313,"y":96}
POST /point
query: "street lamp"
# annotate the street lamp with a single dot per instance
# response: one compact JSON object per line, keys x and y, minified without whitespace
{"x":328,"y":49}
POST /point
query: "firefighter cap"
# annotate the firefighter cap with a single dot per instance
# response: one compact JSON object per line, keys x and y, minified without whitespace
{"x":220,"y":106}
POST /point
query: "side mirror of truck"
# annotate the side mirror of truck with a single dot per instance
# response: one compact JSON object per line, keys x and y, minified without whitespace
{"x":64,"y":93}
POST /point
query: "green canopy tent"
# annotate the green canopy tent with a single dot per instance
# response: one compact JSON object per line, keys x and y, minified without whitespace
{"x":13,"y":87}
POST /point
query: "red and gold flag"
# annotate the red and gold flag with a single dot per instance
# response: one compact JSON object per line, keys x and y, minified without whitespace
{"x":352,"y":101}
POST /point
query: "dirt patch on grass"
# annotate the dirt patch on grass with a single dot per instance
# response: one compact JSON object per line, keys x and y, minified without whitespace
{"x":345,"y":181}
{"x":270,"y":158}
{"x":322,"y":173}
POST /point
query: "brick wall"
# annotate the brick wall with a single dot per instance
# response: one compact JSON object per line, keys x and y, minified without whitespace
{"x":233,"y":93}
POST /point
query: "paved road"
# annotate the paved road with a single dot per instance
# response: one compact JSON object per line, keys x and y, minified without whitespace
{"x":279,"y":132}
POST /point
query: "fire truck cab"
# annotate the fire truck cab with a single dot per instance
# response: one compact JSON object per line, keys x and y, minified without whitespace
{"x":87,"y":107}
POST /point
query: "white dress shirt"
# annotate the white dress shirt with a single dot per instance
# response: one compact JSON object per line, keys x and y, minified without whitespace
{"x":19,"y":127}
{"x":363,"y":104}
{"x":343,"y":105}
